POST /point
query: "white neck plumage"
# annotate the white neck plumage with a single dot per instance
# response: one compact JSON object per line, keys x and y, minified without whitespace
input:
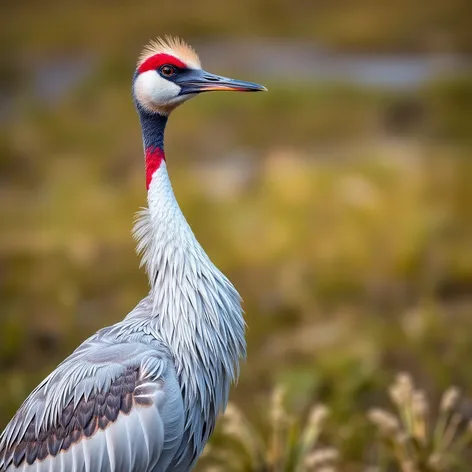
{"x":195,"y":308}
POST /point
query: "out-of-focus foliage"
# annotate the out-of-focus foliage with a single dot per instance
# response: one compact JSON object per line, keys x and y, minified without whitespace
{"x":416,"y":439}
{"x":287,"y":445}
{"x":367,"y":25}
{"x":341,"y":212}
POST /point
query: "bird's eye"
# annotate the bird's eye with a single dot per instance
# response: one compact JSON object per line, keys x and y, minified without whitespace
{"x":167,"y":70}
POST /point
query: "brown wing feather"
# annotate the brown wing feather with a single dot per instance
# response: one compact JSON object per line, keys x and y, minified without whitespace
{"x":76,"y":423}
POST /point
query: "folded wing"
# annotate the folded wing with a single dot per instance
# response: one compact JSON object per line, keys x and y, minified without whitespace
{"x":109,"y":406}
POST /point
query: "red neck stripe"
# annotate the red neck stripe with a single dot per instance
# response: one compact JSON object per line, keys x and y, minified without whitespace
{"x":158,"y":60}
{"x":154,"y":158}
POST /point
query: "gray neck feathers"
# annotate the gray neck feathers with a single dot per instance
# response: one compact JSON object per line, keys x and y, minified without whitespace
{"x":193,"y":307}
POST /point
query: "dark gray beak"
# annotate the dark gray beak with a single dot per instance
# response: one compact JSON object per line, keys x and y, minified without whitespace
{"x":197,"y":81}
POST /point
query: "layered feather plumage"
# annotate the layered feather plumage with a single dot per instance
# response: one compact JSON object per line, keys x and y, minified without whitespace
{"x":186,"y":339}
{"x":145,"y":393}
{"x":195,"y":308}
{"x":79,"y":417}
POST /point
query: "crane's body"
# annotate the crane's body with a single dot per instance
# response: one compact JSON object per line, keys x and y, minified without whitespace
{"x":143,"y":395}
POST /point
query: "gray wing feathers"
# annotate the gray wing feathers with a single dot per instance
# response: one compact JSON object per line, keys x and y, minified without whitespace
{"x":110,"y":406}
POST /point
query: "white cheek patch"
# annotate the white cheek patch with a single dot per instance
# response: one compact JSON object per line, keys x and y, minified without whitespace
{"x":154,"y":92}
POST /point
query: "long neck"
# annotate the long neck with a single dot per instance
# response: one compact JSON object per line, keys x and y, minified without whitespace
{"x":153,"y":126}
{"x":163,"y":233}
{"x":193,"y":307}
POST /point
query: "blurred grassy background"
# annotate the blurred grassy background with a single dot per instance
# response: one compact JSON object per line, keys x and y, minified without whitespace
{"x":339,"y":203}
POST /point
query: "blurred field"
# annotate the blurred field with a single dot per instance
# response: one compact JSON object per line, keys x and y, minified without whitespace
{"x":342,"y":212}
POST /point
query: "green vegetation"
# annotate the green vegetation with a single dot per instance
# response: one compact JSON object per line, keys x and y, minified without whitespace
{"x":342,"y":214}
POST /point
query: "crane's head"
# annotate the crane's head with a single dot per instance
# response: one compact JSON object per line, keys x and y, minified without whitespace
{"x":169,"y":73}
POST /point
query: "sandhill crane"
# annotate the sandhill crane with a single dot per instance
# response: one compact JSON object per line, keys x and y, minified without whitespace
{"x":143,"y":395}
